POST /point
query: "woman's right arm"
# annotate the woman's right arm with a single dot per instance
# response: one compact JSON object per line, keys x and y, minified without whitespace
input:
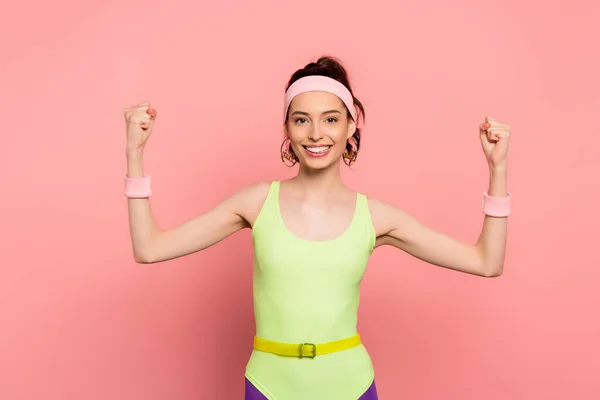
{"x":152,"y":244}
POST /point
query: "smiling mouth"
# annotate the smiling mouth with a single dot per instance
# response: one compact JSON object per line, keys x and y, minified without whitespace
{"x":317,"y":149}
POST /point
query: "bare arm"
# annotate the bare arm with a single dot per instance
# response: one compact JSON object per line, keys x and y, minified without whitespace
{"x":484,"y":258}
{"x":152,"y":245}
{"x":492,"y":241}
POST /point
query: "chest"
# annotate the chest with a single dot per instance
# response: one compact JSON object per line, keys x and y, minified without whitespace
{"x":316,"y":222}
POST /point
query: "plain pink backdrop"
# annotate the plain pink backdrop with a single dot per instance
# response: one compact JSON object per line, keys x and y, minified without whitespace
{"x":81,"y":320}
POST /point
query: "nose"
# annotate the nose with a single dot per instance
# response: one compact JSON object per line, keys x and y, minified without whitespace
{"x":315,"y":134}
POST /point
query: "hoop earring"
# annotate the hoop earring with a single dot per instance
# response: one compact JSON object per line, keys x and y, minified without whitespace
{"x":288,"y":155}
{"x":349,"y":156}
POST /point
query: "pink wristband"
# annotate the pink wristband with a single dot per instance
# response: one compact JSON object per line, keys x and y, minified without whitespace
{"x":137,"y":188}
{"x":496,"y":206}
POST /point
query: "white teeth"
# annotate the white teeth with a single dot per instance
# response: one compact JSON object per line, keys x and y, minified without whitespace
{"x":318,"y":149}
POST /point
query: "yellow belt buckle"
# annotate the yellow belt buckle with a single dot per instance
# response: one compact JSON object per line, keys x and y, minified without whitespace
{"x":314,"y":350}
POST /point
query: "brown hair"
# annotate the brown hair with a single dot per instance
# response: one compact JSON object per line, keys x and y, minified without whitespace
{"x":333,"y":68}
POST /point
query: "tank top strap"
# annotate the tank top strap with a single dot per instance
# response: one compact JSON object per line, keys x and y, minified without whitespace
{"x":273,"y":195}
{"x":267,"y":219}
{"x":363,"y":215}
{"x":271,"y":203}
{"x":363,"y":220}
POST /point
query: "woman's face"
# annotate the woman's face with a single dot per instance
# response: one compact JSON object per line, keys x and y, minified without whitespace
{"x":318,"y":127}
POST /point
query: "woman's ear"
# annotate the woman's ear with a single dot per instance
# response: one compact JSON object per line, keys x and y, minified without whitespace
{"x":351,"y":128}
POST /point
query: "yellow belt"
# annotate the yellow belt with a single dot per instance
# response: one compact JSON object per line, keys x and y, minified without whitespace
{"x":309,"y":350}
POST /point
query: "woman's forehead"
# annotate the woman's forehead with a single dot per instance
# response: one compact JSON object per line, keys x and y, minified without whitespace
{"x":316,"y":102}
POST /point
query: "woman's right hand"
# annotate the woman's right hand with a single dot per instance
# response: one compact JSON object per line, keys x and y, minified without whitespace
{"x":139,"y":120}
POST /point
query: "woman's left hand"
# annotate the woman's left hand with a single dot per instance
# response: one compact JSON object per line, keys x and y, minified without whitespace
{"x":494,"y":137}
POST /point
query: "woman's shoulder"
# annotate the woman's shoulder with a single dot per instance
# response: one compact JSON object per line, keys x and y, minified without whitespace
{"x":256,"y":192}
{"x":384,"y":214}
{"x":251,"y":199}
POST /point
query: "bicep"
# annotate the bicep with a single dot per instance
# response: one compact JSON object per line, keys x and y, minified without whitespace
{"x":204,"y":230}
{"x":405,"y":232}
{"x":196,"y":234}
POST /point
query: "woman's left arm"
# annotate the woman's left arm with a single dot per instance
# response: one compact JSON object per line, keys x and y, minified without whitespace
{"x":397,"y":228}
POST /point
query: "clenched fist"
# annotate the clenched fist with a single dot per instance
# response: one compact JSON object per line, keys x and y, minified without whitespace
{"x":494,"y":137}
{"x":139,"y":121}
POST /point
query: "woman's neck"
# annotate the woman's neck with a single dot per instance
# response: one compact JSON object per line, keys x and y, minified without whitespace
{"x":319,"y":183}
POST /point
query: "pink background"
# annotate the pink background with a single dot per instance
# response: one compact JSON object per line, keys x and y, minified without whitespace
{"x":81,"y":320}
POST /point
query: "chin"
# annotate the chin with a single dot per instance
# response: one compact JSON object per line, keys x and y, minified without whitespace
{"x":320,"y":164}
{"x":317,"y":166}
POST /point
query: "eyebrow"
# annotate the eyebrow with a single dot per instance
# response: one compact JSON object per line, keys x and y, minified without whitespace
{"x":325,"y":112}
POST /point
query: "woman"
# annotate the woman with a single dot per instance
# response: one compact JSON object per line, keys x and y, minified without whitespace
{"x":312,"y":239}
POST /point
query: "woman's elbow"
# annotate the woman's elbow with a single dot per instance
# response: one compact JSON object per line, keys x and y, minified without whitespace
{"x":142,"y":257}
{"x":493,"y":272}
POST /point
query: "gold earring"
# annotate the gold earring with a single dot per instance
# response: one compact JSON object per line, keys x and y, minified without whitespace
{"x":288,"y":155}
{"x":349,"y":156}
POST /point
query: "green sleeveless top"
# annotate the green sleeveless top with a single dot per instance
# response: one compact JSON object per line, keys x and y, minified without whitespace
{"x":308,"y":291}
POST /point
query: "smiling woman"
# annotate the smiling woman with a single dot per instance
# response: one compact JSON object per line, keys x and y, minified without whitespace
{"x":320,"y":104}
{"x":307,"y":345}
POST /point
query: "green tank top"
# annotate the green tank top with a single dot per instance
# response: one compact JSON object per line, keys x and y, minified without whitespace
{"x":308,"y":291}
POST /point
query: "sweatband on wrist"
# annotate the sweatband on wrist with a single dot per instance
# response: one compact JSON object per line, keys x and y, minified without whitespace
{"x":496,"y":206}
{"x":138,"y":188}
